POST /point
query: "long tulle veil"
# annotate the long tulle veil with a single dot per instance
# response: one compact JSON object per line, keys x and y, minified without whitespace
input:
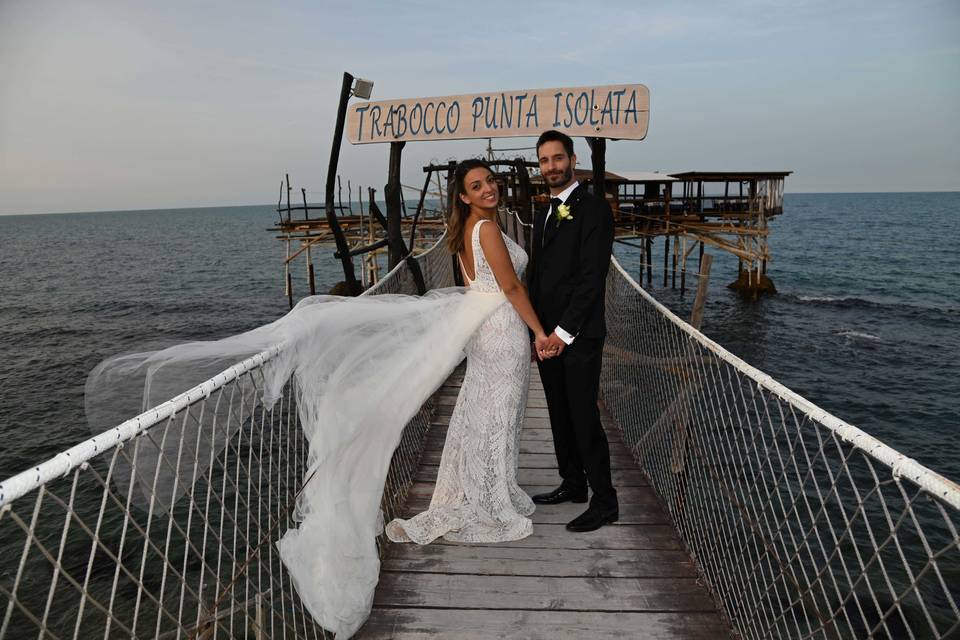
{"x":360,"y":369}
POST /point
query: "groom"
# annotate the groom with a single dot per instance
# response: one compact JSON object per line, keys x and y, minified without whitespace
{"x":572,"y":242}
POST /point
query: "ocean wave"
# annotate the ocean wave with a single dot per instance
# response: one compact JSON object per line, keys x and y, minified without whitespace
{"x":850,"y":333}
{"x":851,"y":302}
{"x":828,"y":298}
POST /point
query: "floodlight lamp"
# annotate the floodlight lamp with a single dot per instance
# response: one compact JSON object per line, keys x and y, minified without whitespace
{"x":362,"y":88}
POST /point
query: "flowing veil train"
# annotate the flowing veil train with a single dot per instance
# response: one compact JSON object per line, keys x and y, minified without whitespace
{"x":361,"y":368}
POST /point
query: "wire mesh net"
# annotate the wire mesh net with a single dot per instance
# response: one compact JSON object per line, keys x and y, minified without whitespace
{"x":82,"y":557}
{"x":802,"y":525}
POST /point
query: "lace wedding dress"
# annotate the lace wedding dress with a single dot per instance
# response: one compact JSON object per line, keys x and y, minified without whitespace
{"x":477,"y":498}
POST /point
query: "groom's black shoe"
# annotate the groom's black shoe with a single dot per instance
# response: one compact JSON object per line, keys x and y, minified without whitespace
{"x":593,"y":518}
{"x":560,"y":494}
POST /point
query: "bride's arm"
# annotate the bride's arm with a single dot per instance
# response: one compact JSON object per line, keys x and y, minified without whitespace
{"x":495,"y":251}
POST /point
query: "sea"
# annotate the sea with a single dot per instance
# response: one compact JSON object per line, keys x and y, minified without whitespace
{"x":866,"y":321}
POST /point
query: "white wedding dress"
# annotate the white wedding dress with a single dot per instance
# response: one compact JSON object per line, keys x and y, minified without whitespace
{"x":361,"y":368}
{"x":477,"y":498}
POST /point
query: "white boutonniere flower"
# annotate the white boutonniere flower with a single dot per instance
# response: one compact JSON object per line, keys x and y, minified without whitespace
{"x":563,"y":213}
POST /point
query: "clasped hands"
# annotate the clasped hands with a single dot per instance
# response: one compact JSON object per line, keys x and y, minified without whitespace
{"x":546,"y":347}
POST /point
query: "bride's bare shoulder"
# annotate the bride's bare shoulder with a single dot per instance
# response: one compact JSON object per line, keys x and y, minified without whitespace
{"x":489,"y":232}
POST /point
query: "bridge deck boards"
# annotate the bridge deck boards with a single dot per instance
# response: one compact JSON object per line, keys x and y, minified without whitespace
{"x":627,"y":580}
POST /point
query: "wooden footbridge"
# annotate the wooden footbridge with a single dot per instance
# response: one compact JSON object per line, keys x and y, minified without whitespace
{"x":632,"y":579}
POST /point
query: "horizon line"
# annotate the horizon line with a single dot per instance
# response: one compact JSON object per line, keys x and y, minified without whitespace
{"x":234,"y":206}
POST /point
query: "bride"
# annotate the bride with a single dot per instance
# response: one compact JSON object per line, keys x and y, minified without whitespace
{"x":402,"y":346}
{"x":332,"y":555}
{"x":477,"y":498}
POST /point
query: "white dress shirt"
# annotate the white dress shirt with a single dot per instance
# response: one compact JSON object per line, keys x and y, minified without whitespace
{"x":563,"y":195}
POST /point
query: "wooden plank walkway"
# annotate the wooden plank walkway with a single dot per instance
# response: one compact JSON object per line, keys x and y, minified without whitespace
{"x":627,"y":580}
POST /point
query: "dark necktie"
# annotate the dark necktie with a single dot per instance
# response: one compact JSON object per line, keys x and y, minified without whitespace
{"x":555,"y":204}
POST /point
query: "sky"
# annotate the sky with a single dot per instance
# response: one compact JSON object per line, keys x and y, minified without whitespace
{"x":140,"y":105}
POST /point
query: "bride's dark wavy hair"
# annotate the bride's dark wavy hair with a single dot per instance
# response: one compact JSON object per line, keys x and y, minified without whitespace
{"x":460,"y":210}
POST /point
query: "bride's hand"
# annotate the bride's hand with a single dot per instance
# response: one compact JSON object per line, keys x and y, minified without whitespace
{"x":540,"y":345}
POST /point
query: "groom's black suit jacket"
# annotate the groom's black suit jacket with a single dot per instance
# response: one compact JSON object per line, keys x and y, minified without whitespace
{"x":567,"y":274}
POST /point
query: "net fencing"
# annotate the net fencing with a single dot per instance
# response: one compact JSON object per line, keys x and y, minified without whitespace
{"x":82,"y":557}
{"x":803,"y":526}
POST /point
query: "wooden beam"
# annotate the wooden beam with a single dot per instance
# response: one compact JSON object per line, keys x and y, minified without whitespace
{"x":310,"y":278}
{"x":416,"y":216}
{"x":598,"y":158}
{"x":696,"y":317}
{"x":353,"y":286}
{"x":392,"y":193}
{"x":370,"y":247}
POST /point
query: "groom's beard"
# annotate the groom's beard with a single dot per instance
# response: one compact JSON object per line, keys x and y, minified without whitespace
{"x":560,"y":179}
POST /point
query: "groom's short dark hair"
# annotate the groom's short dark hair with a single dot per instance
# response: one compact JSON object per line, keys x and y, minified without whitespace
{"x":552,"y":135}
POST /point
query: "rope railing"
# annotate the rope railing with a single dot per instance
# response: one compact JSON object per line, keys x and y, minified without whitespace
{"x":802,"y":525}
{"x":82,"y":556}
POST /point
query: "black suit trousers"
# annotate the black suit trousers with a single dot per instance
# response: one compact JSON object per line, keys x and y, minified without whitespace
{"x":571,"y":383}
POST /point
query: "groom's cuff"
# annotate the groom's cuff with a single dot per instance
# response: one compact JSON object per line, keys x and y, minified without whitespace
{"x":563,"y":335}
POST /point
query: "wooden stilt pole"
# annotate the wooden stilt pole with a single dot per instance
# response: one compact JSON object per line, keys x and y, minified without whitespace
{"x":598,"y":157}
{"x":288,"y":196}
{"x":287,"y":277}
{"x":649,"y":261}
{"x":365,"y":260}
{"x":683,"y":267}
{"x":673,"y":279}
{"x":643,"y":261}
{"x":375,"y":264}
{"x":666,"y":259}
{"x":696,"y":317}
{"x":313,"y":285}
{"x":392,"y":195}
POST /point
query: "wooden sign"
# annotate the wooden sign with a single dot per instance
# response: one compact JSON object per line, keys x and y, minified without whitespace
{"x":612,"y":111}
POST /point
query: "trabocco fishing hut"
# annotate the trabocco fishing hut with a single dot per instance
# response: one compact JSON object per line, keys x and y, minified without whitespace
{"x":726,"y":210}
